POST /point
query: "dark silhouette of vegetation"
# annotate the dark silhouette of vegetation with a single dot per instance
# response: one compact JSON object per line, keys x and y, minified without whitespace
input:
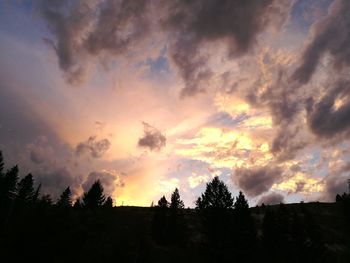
{"x":108,"y":203}
{"x":65,"y":198}
{"x":220,"y":229}
{"x":25,"y":190}
{"x":94,"y":198}
{"x":176,"y":202}
{"x":163,"y":203}
{"x":216,"y":196}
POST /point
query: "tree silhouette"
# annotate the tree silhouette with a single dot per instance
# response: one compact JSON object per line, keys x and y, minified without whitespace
{"x":94,"y":197}
{"x":241,"y":204}
{"x":8,"y":186}
{"x":243,"y":232}
{"x":65,"y":198}
{"x":26,"y":190}
{"x":163,"y":203}
{"x":45,"y":200}
{"x":338,"y":198}
{"x":77,"y":204}
{"x":1,"y":164}
{"x":108,"y":203}
{"x":176,"y":202}
{"x":216,"y":196}
{"x":36,"y":194}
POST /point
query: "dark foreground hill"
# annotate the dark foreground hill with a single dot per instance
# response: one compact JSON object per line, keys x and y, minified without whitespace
{"x":310,"y":232}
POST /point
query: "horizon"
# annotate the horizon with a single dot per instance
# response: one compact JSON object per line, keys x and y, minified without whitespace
{"x":153,"y":95}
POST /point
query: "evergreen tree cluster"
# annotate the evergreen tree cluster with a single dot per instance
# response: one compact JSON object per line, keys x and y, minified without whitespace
{"x":222,"y":228}
{"x":16,"y":193}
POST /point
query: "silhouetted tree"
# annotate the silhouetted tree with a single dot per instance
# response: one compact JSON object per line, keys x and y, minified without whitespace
{"x":108,"y":203}
{"x":94,"y":197}
{"x":45,"y":200}
{"x":241,"y":204}
{"x":176,"y":202}
{"x":1,"y":164}
{"x":216,"y":196}
{"x":65,"y":198}
{"x":338,"y":198}
{"x":8,"y":186}
{"x":77,"y":204}
{"x":36,"y":194}
{"x":163,"y":203}
{"x":244,"y":232}
{"x":25,"y":190}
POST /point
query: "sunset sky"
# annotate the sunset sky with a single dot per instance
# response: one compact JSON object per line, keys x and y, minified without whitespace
{"x":156,"y":94}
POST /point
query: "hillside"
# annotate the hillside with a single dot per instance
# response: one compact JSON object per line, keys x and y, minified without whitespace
{"x":309,"y":232}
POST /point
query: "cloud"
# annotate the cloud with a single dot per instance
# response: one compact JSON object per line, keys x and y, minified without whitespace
{"x":235,"y":23}
{"x":40,"y":151}
{"x":94,"y":148}
{"x":196,"y":180}
{"x":331,"y":35}
{"x":331,"y":115}
{"x":271,"y":199}
{"x":257,"y":180}
{"x":55,"y":179}
{"x":110,"y":180}
{"x":84,"y":29}
{"x":152,"y":138}
{"x":335,"y":185}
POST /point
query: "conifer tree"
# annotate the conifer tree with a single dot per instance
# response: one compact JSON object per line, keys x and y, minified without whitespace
{"x":1,"y":164}
{"x":241,"y":205}
{"x":176,"y":202}
{"x":36,"y":194}
{"x":77,"y":204}
{"x":163,"y":203}
{"x":8,"y":185}
{"x":65,"y":198}
{"x":216,"y":196}
{"x":108,"y":203}
{"x":94,"y":197}
{"x":26,"y":190}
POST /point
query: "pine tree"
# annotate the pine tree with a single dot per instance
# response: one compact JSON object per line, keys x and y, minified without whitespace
{"x":45,"y":200}
{"x":94,"y":197}
{"x":65,"y":198}
{"x":36,"y":194}
{"x":176,"y":202}
{"x":216,"y":196}
{"x":241,"y":205}
{"x":1,"y":164}
{"x":77,"y":204}
{"x":163,"y":203}
{"x":108,"y":203}
{"x":8,"y":185}
{"x":26,"y":190}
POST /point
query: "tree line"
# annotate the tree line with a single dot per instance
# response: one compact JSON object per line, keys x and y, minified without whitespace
{"x":221,"y":228}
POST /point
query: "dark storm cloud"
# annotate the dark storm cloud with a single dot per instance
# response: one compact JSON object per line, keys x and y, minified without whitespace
{"x":271,"y":199}
{"x":194,"y":23}
{"x":83,"y":29}
{"x":55,"y":179}
{"x":119,"y":25}
{"x":93,"y":147}
{"x":257,"y":180}
{"x":331,"y":36}
{"x":152,"y":138}
{"x":287,"y":141}
{"x":87,"y":28}
{"x":335,"y":184}
{"x":109,"y":181}
{"x":325,"y":118}
{"x":66,"y":20}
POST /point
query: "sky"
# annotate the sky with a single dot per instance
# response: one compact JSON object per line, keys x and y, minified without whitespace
{"x":153,"y":95}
